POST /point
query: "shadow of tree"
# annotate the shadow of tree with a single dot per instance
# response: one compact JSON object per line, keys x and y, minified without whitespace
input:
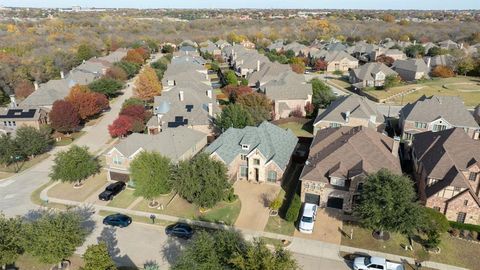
{"x":172,"y":249}
{"x":109,"y":237}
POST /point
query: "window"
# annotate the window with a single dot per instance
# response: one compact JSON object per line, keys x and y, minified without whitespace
{"x":243,"y":157}
{"x":272,"y":176}
{"x":465,"y":202}
{"x":335,"y":125}
{"x":245,"y":146}
{"x":243,"y":171}
{"x":408,"y":136}
{"x":117,"y":160}
{"x":256,"y":161}
{"x":360,"y":187}
{"x":457,"y":189}
{"x":420,"y":125}
{"x":472,"y":176}
{"x":439,"y":127}
{"x":337,"y":181}
{"x":461,"y":217}
{"x":436,"y":208}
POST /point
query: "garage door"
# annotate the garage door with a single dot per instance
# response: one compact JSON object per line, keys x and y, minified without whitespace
{"x":312,"y":198}
{"x":334,"y":202}
{"x":114,"y":176}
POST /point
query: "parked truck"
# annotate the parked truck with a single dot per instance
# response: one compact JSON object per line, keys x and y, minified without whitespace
{"x":375,"y":263}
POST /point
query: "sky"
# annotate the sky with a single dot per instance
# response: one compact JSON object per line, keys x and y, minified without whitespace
{"x":301,"y":4}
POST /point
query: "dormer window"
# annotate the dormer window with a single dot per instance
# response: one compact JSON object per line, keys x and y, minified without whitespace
{"x":245,"y":146}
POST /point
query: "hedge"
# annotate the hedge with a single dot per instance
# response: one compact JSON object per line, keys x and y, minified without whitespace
{"x":293,"y":209}
{"x":465,"y":226}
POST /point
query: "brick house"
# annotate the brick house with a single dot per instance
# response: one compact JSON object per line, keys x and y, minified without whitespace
{"x":436,"y":113}
{"x":257,"y":154}
{"x":13,"y":118}
{"x":339,"y":161}
{"x":447,"y":171}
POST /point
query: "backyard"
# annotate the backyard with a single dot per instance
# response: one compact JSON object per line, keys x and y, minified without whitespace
{"x":301,"y":127}
{"x":467,"y":88}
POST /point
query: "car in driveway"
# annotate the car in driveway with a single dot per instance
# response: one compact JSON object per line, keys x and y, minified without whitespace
{"x":117,"y":220}
{"x":377,"y":263}
{"x":308,"y":218}
{"x":111,"y":191}
{"x":180,"y":230}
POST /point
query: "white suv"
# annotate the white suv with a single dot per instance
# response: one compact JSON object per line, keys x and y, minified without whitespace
{"x":308,"y":218}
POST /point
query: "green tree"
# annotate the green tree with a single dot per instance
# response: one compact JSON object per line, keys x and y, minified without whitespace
{"x":387,"y":203}
{"x":32,"y":141}
{"x":10,"y":152}
{"x":322,"y":94}
{"x":131,"y":102}
{"x":258,"y":105}
{"x":465,"y":65}
{"x":96,"y":257}
{"x":294,"y":209}
{"x":167,"y":49}
{"x":391,"y":81}
{"x":85,"y":52}
{"x":130,"y":68}
{"x":108,"y":87}
{"x":231,"y":78}
{"x":415,"y":51}
{"x":199,"y":254}
{"x":74,"y":165}
{"x":55,"y":236}
{"x":236,"y":116}
{"x":151,"y":173}
{"x":201,"y":180}
{"x":12,"y":240}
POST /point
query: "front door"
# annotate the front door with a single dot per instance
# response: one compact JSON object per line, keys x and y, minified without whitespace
{"x":256,"y":174}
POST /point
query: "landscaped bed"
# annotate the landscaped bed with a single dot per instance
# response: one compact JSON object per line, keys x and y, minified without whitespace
{"x":90,"y":186}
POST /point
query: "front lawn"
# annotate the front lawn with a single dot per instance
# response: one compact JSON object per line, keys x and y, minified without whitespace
{"x":123,"y":200}
{"x":31,"y":263}
{"x":224,"y":212}
{"x":22,"y":165}
{"x":453,"y":251}
{"x":92,"y":185}
{"x":299,"y":129}
{"x":68,"y":140}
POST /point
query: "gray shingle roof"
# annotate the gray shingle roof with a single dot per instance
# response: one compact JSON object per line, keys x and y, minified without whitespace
{"x":288,"y":86}
{"x":368,"y":71}
{"x":273,"y":142}
{"x":268,"y":71}
{"x":415,"y":65}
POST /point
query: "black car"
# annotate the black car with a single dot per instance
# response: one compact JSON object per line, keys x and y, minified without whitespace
{"x":180,"y":230}
{"x":111,"y":191}
{"x":118,"y":220}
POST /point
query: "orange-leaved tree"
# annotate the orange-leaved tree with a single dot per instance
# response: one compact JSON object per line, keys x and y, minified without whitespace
{"x":147,"y":85}
{"x":86,"y":102}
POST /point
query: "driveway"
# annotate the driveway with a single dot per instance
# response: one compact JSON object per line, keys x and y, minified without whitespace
{"x":255,"y":199}
{"x":327,"y":227}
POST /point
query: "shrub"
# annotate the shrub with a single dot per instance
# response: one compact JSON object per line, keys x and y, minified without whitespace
{"x":276,"y":204}
{"x":230,"y":195}
{"x":338,"y":72}
{"x":474,"y":235}
{"x":443,"y":72}
{"x":433,"y":240}
{"x":454,"y":232}
{"x":465,"y":226}
{"x":464,"y":233}
{"x":293,"y":209}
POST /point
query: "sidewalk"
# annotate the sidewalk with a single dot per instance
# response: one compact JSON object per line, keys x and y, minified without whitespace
{"x":298,"y":245}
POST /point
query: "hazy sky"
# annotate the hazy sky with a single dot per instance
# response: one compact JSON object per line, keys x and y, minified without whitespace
{"x":341,"y":4}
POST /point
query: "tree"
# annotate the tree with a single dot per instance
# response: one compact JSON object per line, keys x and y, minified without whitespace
{"x":388,"y":203}
{"x":233,"y":92}
{"x":147,"y":85}
{"x":199,"y":254}
{"x":258,"y":105}
{"x":85,"y":52}
{"x":443,"y":72}
{"x":465,"y":65}
{"x":201,"y":180}
{"x":96,"y":257}
{"x":12,"y":240}
{"x":433,"y":220}
{"x":231,"y":78}
{"x":234,"y":115}
{"x":415,"y":51}
{"x":108,"y":87}
{"x":151,"y":172}
{"x":131,"y":69}
{"x":116,"y":73}
{"x":320,"y":65}
{"x":309,"y":109}
{"x":10,"y":152}
{"x":121,"y":126}
{"x":74,"y":165}
{"x":294,"y":209}
{"x":23,"y":89}
{"x":132,"y":101}
{"x":32,"y":141}
{"x":391,"y":81}
{"x":386,"y":60}
{"x":322,"y":94}
{"x":134,"y":56}
{"x":167,"y":49}
{"x":437,"y":51}
{"x":86,"y":103}
{"x":55,"y":236}
{"x":298,"y":68}
{"x":137,"y":112}
{"x":64,"y":116}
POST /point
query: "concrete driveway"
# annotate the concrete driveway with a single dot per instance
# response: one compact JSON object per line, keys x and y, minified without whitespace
{"x":327,"y":227}
{"x":255,"y":200}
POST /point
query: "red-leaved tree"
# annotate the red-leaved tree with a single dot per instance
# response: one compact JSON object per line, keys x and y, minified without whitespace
{"x":309,"y":108}
{"x":233,"y":92}
{"x":136,"y":112}
{"x":320,"y":65}
{"x":116,"y":73}
{"x":387,"y":60}
{"x":121,"y":126}
{"x":64,"y":117}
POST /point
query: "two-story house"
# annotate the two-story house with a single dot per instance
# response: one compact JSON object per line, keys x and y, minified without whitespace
{"x":370,"y":75}
{"x":353,"y":110}
{"x":339,"y":161}
{"x":177,"y":144}
{"x":257,"y":154}
{"x":436,"y":113}
{"x":447,"y":170}
{"x":13,"y":118}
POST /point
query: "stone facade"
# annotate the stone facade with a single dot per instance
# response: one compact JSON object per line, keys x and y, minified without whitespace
{"x":292,"y":104}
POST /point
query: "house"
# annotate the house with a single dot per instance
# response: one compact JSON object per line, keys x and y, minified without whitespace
{"x":353,"y":110}
{"x":393,"y":53}
{"x":248,"y":44}
{"x":336,"y":60}
{"x":449,"y":45}
{"x":276,"y":46}
{"x":15,"y":117}
{"x":436,"y":113}
{"x":177,"y":144}
{"x":476,"y":113}
{"x":440,"y":60}
{"x":411,"y":69}
{"x":370,"y":75}
{"x":289,"y":92}
{"x":339,"y":161}
{"x":362,"y":50}
{"x":297,"y":48}
{"x":267,"y":72}
{"x":258,"y":154}
{"x":243,"y":61}
{"x":428,"y":46}
{"x":447,"y":170}
{"x":222,"y":44}
{"x":211,"y":48}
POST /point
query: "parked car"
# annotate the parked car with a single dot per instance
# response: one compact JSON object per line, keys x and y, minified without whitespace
{"x":368,"y":263}
{"x":117,"y":220}
{"x":111,"y":191}
{"x":181,"y":230}
{"x":308,"y":218}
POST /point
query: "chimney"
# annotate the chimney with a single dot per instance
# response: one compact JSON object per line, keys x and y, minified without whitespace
{"x":210,"y":109}
{"x":429,"y":61}
{"x":180,"y":95}
{"x":258,"y":65}
{"x":347,"y":116}
{"x":395,"y":146}
{"x":35,"y":84}
{"x":13,"y":102}
{"x":104,"y":71}
{"x":209,"y":93}
{"x":461,"y":46}
{"x":62,"y":75}
{"x":83,"y":62}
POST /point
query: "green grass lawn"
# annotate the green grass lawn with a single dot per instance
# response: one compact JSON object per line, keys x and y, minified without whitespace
{"x":299,"y":129}
{"x":91,"y":185}
{"x":453,"y":251}
{"x":342,"y":83}
{"x":23,"y":165}
{"x":279,"y":225}
{"x":463,"y":87}
{"x":224,"y":212}
{"x":123,"y":200}
{"x":28,"y":262}
{"x":68,"y":140}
